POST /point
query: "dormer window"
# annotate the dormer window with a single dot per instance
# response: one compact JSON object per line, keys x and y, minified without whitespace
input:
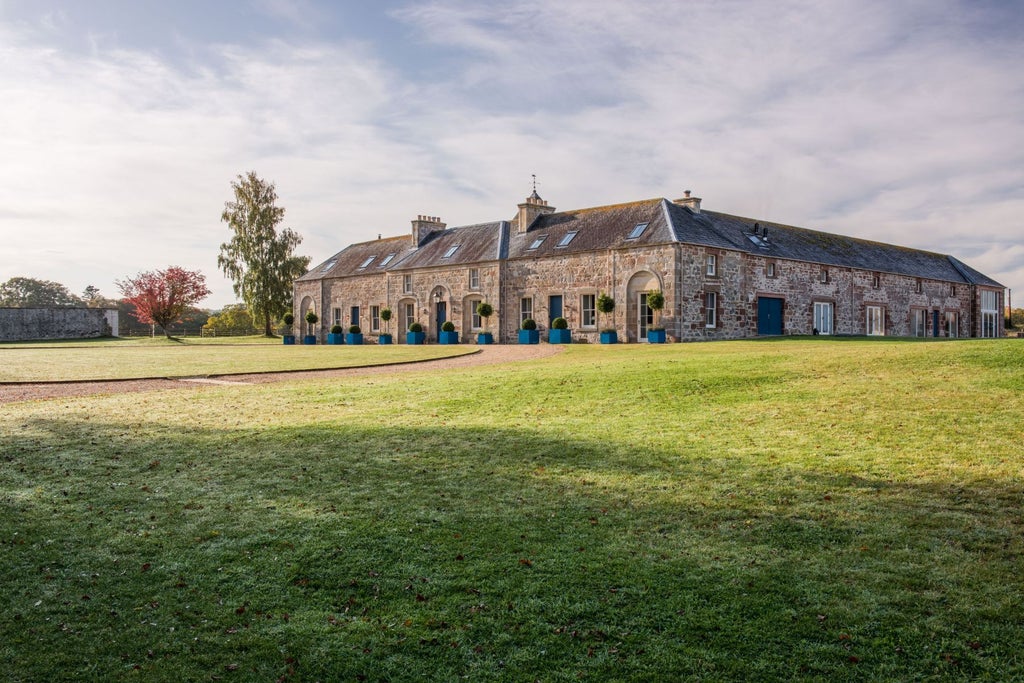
{"x":387,"y":260}
{"x":367,"y":262}
{"x":451,"y":251}
{"x":537,"y":242}
{"x":637,"y":231}
{"x":564,"y":242}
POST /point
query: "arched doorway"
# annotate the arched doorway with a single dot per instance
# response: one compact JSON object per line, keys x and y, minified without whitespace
{"x":439,"y":311}
{"x":638,"y":316}
{"x":304,"y":307}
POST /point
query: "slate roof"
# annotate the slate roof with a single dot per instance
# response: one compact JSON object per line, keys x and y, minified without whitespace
{"x":601,"y":227}
{"x":800,"y":244}
{"x":475,"y":243}
{"x":348,"y":260}
{"x":609,"y":227}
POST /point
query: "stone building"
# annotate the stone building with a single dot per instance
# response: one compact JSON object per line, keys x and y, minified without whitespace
{"x":723,"y":277}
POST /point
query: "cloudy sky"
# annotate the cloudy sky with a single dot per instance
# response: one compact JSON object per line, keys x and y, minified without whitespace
{"x":123,"y":122}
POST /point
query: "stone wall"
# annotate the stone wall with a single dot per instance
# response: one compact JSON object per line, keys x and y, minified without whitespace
{"x":610,"y":272}
{"x":28,"y":324}
{"x":679,"y":270}
{"x":387,"y":290}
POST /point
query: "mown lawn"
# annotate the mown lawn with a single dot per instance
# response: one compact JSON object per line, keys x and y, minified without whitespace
{"x":796,"y":510}
{"x":160,"y":357}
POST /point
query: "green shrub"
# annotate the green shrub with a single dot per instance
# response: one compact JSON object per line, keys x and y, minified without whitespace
{"x":559,"y":324}
{"x":415,"y":327}
{"x":529,"y":324}
{"x":354,"y":329}
{"x":336,"y":329}
{"x":288,"y":319}
{"x":312,"y":318}
{"x":448,"y":326}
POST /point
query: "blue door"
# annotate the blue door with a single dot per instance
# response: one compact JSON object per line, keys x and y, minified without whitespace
{"x":935,"y":323}
{"x":554,"y":308}
{"x":442,"y":316}
{"x":769,"y":315}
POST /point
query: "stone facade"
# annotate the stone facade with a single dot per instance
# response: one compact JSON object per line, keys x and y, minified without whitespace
{"x":30,"y":324}
{"x":723,"y":277}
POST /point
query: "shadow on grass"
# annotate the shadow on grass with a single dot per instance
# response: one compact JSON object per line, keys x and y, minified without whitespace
{"x":344,"y":553}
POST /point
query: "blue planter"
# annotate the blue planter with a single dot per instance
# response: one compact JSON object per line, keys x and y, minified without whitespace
{"x":529,"y":336}
{"x":288,"y":339}
{"x":354,"y":338}
{"x":448,"y":337}
{"x":384,"y":339}
{"x":560,"y":337}
{"x":610,"y":337}
{"x":484,"y":338}
{"x":655,"y":336}
{"x":309,"y":339}
{"x":415,"y":337}
{"x":333,"y":338}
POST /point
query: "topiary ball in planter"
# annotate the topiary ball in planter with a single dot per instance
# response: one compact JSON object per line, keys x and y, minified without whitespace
{"x":415,"y":335}
{"x":336,"y":336}
{"x":528,"y":333}
{"x":656,"y":335}
{"x":559,"y":333}
{"x":448,"y":334}
{"x":354,"y":336}
{"x":609,"y":337}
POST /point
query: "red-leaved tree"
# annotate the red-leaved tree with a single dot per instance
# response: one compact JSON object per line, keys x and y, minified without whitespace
{"x":161,"y":296}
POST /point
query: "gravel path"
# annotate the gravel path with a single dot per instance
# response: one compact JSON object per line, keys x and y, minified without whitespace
{"x":487,"y":355}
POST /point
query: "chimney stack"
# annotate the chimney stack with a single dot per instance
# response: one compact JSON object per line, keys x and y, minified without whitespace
{"x":692,"y":203}
{"x":423,"y":227}
{"x":529,"y":210}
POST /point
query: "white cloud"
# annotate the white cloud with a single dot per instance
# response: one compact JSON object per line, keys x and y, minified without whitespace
{"x":895,"y":121}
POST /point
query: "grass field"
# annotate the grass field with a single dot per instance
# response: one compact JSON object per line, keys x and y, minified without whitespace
{"x":160,"y":357}
{"x":791,"y":510}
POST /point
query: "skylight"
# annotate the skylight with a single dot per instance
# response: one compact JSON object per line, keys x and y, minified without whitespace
{"x":367,"y":262}
{"x":387,"y":260}
{"x":564,"y":242}
{"x":328,"y":265}
{"x":637,"y":231}
{"x":451,"y":251}
{"x":539,"y":241}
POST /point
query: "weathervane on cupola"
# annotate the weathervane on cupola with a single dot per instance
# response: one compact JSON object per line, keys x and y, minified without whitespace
{"x":529,"y":210}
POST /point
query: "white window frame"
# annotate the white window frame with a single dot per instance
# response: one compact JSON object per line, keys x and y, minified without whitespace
{"x":637,"y":231}
{"x":711,"y":265}
{"x":474,"y":279}
{"x":475,"y":321}
{"x":588,"y":311}
{"x":567,"y":238}
{"x":367,"y":262}
{"x":918,"y":322}
{"x":771,"y":270}
{"x":710,"y":309}
{"x":989,"y":314}
{"x":952,"y":324}
{"x":387,"y":260}
{"x":526,"y":308}
{"x":823,"y":317}
{"x":407,"y":284}
{"x":374,"y":318}
{"x":451,"y":251}
{"x":408,"y":315}
{"x":536,"y":243}
{"x":823,"y":276}
{"x":874,"y":323}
